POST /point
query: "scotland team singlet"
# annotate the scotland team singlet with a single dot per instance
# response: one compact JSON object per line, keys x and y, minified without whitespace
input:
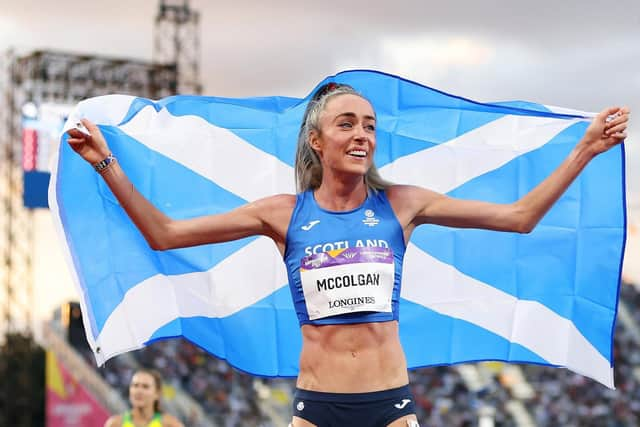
{"x":344,"y":267}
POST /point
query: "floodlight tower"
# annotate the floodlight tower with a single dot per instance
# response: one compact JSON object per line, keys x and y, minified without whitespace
{"x":48,"y":78}
{"x":177,"y":41}
{"x":16,"y":231}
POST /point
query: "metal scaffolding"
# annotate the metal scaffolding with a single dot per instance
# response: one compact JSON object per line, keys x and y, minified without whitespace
{"x":55,"y":78}
{"x":64,"y":78}
{"x":50,"y":77}
{"x":177,"y":41}
{"x":15,"y":238}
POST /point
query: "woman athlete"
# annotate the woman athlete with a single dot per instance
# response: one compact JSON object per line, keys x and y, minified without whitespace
{"x":352,"y":365}
{"x":145,"y":389}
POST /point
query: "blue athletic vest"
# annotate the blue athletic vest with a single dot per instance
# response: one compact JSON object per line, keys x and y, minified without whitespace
{"x":314,"y":230}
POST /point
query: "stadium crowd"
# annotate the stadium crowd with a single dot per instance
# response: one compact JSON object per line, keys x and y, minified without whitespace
{"x":443,"y":399}
{"x":567,"y":399}
{"x":226,"y":395}
{"x":561,"y":398}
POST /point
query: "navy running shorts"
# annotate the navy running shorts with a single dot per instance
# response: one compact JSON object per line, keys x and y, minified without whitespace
{"x":374,"y":409}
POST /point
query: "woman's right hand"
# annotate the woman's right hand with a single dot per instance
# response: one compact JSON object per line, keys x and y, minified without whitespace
{"x":93,"y":148}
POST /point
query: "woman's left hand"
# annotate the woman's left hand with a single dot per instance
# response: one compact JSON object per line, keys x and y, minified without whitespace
{"x":608,"y":129}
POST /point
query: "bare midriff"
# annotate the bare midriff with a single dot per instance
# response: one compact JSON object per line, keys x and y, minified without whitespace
{"x":352,"y":358}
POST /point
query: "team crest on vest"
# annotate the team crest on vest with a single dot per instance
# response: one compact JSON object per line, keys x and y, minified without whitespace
{"x":370,"y":219}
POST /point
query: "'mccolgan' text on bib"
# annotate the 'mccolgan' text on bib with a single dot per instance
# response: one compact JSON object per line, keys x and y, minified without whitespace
{"x":347,"y":280}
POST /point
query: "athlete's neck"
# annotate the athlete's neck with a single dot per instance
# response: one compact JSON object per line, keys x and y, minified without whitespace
{"x":340,"y":196}
{"x":142,"y":415}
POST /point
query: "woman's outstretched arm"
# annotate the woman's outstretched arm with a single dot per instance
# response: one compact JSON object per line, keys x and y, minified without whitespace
{"x":267,"y":216}
{"x":417,"y":206}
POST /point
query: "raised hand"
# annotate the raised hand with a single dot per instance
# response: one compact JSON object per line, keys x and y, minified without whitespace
{"x":608,"y":129}
{"x":93,"y":147}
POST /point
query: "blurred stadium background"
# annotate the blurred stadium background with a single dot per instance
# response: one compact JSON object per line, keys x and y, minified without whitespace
{"x":49,"y":377}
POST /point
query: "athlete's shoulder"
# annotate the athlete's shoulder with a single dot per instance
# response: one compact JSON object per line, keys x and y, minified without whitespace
{"x":408,"y":200}
{"x":275,"y":213}
{"x":114,"y":421}
{"x":401,"y":190}
{"x":278,"y":207}
{"x":277,"y":201}
{"x":284,"y":199}
{"x":402,"y":196}
{"x":408,"y":194}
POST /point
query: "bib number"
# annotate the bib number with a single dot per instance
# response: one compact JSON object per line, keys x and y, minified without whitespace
{"x":347,"y":280}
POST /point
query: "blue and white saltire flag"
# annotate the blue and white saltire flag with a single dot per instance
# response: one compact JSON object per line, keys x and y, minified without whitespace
{"x":549,"y":297}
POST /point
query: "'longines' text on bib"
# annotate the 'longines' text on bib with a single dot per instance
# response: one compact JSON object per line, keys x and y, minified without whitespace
{"x":347,"y":280}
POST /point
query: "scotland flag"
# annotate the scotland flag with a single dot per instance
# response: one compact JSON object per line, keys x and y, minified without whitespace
{"x":548,"y":297}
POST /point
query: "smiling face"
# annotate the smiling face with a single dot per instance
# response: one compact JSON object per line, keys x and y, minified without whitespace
{"x":346,"y":139}
{"x":143,"y":391}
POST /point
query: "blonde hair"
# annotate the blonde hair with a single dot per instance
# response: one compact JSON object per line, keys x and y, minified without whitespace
{"x":307,"y":165}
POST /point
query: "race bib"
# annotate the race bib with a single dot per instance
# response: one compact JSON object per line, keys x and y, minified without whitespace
{"x":347,"y":280}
